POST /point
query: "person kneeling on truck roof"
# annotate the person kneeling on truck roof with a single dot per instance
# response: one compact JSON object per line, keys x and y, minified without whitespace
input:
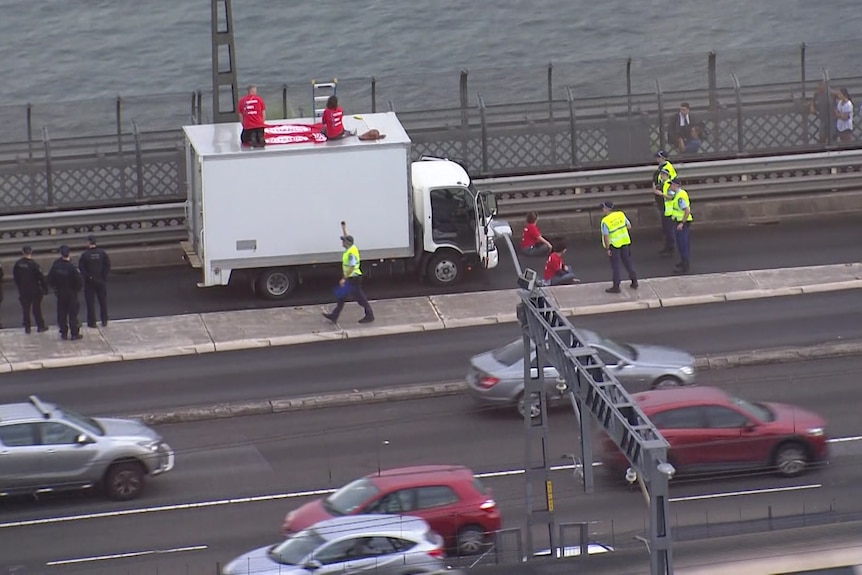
{"x":333,"y":115}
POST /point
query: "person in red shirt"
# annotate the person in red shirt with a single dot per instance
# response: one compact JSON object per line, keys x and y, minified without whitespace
{"x":252,"y":112}
{"x":333,"y":126}
{"x":557,"y":272}
{"x":533,"y":243}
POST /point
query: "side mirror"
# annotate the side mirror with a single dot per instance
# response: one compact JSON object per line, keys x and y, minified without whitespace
{"x":312,"y":565}
{"x":83,"y":439}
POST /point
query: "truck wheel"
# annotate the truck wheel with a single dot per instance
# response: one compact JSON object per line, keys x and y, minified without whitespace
{"x":124,"y":480}
{"x":276,"y":283}
{"x":444,"y":269}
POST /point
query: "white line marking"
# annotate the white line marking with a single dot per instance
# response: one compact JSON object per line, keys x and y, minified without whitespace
{"x":126,"y":555}
{"x":738,"y":493}
{"x":296,"y":494}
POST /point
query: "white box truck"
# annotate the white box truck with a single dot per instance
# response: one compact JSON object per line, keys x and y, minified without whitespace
{"x":273,"y":215}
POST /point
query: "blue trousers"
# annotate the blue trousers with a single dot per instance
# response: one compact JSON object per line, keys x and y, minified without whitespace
{"x":682,"y":242}
{"x":668,"y":226}
{"x":622,"y":255}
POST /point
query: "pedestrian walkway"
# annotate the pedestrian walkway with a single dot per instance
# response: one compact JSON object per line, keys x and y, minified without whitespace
{"x":154,"y":337}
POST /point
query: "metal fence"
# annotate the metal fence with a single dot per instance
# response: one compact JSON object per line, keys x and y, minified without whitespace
{"x":130,"y":167}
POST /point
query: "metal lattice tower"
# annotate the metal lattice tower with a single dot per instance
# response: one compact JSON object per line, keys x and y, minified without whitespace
{"x":225,"y":89}
{"x":593,"y":389}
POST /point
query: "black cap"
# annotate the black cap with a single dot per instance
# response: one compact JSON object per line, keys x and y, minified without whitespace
{"x":661,"y":154}
{"x":65,"y":251}
{"x":27,"y":250}
{"x":91,"y":239}
{"x":675,"y":181}
{"x":348,"y":238}
{"x":608,"y":204}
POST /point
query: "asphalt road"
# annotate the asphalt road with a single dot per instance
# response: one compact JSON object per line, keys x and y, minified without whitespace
{"x":172,"y":291}
{"x":132,"y":387}
{"x":273,"y":459}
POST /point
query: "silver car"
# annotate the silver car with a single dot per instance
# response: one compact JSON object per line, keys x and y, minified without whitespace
{"x":45,"y":448}
{"x":496,"y":377}
{"x":378,"y":544}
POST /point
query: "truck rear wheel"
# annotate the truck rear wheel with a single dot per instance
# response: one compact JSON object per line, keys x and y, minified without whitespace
{"x":276,"y":283}
{"x":444,"y":268}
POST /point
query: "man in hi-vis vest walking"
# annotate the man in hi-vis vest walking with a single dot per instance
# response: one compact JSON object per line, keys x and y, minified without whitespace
{"x":351,"y":280}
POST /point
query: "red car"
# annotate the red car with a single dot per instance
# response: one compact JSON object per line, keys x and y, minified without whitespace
{"x":710,"y":430}
{"x":449,"y":498}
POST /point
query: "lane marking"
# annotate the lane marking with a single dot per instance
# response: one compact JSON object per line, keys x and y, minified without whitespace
{"x":126,"y":555}
{"x":309,"y":493}
{"x":740,"y":493}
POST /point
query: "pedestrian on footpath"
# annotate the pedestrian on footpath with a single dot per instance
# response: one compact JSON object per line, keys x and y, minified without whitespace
{"x":617,"y":243}
{"x":661,"y":187}
{"x":66,"y":281}
{"x":252,"y":111}
{"x":95,"y":265}
{"x":351,"y":280}
{"x":682,"y":219}
{"x":32,"y":286}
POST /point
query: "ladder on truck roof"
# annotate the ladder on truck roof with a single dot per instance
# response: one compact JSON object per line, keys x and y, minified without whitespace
{"x":320,"y":93}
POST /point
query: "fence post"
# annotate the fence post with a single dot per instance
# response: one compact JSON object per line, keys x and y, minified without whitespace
{"x":804,"y":96}
{"x":484,"y":133}
{"x":49,"y":169}
{"x":740,"y":142}
{"x":139,"y":168}
{"x":464,"y":99}
{"x":284,"y":101}
{"x":830,"y":116}
{"x":802,"y":48}
{"x":629,"y":85}
{"x":373,"y":94}
{"x":660,"y":101}
{"x":193,"y":109}
{"x":573,"y":128}
{"x":551,"y":113}
{"x":200,"y":106}
{"x":120,"y":123}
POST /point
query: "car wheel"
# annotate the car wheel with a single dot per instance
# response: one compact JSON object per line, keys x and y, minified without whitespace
{"x":470,"y":540}
{"x":791,"y":459}
{"x":124,"y":481}
{"x":534,"y":407}
{"x":666,"y":382}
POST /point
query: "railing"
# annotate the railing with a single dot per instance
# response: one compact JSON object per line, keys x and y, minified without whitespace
{"x":548,"y":193}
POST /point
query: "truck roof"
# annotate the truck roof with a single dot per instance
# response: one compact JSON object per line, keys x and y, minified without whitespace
{"x":223,"y":139}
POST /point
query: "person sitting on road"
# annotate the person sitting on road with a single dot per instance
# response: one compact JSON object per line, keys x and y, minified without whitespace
{"x":533,"y":243}
{"x":557,"y":272}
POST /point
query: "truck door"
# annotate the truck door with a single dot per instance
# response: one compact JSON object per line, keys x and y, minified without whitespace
{"x":453,"y":218}
{"x":483,"y":233}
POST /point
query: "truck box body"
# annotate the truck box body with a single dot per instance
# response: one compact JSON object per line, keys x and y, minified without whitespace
{"x":282,"y":205}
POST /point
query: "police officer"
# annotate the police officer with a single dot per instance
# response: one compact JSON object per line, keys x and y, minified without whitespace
{"x":617,"y":243}
{"x":661,"y":185}
{"x":682,"y":219}
{"x":31,"y":286}
{"x":351,"y":279}
{"x":95,"y":265}
{"x":66,"y":280}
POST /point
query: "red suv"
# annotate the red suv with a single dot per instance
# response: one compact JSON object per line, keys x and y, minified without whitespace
{"x":710,"y":430}
{"x":449,"y":498}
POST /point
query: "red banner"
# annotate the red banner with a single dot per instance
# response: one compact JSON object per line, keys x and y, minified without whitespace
{"x":276,"y":134}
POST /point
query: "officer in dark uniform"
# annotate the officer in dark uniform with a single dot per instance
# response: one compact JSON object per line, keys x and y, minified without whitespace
{"x":95,"y":265}
{"x":31,"y":286}
{"x":66,"y":280}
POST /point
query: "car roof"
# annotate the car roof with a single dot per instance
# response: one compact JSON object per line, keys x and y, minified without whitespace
{"x":420,"y":475}
{"x":661,"y":399}
{"x":377,"y":524}
{"x":33,"y":409}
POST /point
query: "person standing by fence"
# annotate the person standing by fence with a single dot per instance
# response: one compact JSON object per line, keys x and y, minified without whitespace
{"x":95,"y":265}
{"x":65,"y":278}
{"x":32,"y":287}
{"x":682,"y":221}
{"x":661,"y":184}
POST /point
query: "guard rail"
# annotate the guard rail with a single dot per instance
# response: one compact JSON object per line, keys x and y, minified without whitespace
{"x":549,"y":193}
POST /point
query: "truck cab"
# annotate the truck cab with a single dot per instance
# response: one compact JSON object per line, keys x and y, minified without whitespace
{"x":455,"y":221}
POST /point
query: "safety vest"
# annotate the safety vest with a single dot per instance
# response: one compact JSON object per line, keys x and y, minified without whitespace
{"x":618,"y":233}
{"x":345,"y":262}
{"x":665,"y":188}
{"x":678,"y":212}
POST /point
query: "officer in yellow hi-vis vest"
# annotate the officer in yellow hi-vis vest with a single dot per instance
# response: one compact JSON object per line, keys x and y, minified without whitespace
{"x":617,"y":243}
{"x":664,"y":201}
{"x":351,"y":280}
{"x":682,"y":219}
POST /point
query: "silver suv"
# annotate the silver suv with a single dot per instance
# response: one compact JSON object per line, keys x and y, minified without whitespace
{"x":45,"y":448}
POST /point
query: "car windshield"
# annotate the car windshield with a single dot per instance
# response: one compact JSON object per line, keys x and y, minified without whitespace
{"x":756,"y":410}
{"x":294,"y":550}
{"x":623,"y":350}
{"x":509,"y":354}
{"x":91,"y":425}
{"x":348,"y":499}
